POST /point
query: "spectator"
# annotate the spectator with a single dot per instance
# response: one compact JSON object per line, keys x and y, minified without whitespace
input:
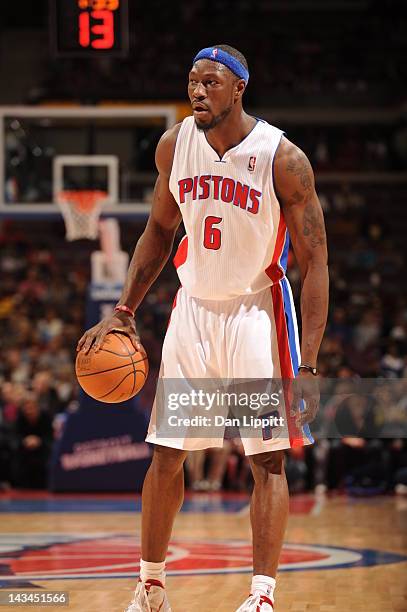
{"x":50,"y":326}
{"x":33,"y":443}
{"x":47,"y":397}
{"x":354,"y":455}
{"x":12,"y":396}
{"x":392,"y":363}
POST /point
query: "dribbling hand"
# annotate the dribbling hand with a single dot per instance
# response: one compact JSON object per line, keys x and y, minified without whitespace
{"x":94,"y":337}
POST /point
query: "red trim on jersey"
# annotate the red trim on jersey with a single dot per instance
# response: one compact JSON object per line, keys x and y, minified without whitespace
{"x":180,"y":256}
{"x":287,"y":373}
{"x":274,"y":270}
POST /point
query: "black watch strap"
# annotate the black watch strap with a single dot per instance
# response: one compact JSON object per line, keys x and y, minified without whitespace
{"x":304,"y":366}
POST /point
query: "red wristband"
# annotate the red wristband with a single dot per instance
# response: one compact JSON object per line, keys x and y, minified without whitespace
{"x":124,"y":308}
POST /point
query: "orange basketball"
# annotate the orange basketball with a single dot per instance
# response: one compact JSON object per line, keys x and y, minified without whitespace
{"x":115,"y":373}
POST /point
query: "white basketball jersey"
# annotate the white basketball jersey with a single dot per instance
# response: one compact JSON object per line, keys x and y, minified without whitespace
{"x":236,"y":240}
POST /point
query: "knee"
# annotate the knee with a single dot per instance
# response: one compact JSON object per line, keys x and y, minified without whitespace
{"x":168,"y":460}
{"x":264,"y":464}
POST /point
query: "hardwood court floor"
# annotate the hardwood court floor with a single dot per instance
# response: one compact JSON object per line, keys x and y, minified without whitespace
{"x":91,"y":553}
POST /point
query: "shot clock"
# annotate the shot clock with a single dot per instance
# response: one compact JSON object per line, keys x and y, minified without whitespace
{"x":89,"y":28}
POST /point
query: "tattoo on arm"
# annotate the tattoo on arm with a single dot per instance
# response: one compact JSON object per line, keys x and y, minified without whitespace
{"x":313,"y":226}
{"x":300,"y":166}
{"x":312,"y":221}
{"x":296,"y":198}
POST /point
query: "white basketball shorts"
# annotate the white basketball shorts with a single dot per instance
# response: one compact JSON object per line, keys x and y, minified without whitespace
{"x":249,"y":337}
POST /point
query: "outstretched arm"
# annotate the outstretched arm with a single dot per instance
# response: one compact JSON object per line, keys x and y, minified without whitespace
{"x":295,"y":187}
{"x":151,"y":253}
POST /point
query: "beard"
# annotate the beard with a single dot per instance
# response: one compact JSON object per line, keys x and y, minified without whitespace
{"x":205,"y":127}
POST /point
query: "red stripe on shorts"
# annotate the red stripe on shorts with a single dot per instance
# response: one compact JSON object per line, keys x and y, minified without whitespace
{"x":286,"y":368}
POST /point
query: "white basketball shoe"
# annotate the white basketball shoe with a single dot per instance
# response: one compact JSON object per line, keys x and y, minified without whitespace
{"x":149,"y":596}
{"x":257,"y":603}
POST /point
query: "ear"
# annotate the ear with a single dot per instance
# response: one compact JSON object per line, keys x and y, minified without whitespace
{"x":240,"y":86}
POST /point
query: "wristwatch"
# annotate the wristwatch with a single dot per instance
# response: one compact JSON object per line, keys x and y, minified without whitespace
{"x":311,"y":369}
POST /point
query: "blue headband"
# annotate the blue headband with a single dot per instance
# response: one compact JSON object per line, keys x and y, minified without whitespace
{"x":218,"y":55}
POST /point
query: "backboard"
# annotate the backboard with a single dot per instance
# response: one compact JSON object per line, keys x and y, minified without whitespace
{"x":97,"y":171}
{"x":46,"y":149}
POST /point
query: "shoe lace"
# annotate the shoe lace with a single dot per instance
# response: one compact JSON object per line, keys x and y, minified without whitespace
{"x":140,"y":596}
{"x":258,"y":599}
{"x":132,"y":607}
{"x":148,"y":584}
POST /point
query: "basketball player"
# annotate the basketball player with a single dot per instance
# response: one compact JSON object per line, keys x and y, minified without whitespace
{"x":240,"y":186}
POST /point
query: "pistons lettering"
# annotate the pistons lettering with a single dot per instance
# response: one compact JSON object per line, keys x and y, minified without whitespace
{"x":220,"y":188}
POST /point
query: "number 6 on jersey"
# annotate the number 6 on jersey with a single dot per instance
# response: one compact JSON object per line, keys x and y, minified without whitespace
{"x":212,"y":235}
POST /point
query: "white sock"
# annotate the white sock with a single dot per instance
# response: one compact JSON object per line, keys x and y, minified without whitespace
{"x":264,"y":585}
{"x":153,"y":571}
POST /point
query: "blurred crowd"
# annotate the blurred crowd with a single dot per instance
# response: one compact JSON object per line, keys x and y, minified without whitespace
{"x":42,"y":297}
{"x":353,"y":148}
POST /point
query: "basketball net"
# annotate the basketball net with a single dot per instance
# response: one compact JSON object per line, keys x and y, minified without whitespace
{"x":81,"y":212}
